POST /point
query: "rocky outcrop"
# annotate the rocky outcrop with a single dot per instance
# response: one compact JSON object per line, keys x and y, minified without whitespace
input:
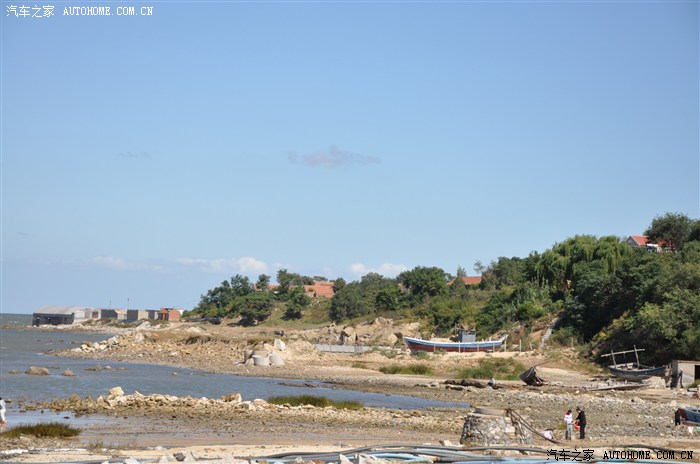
{"x":33,"y":370}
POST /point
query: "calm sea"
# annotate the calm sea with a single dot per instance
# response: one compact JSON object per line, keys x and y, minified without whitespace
{"x":20,"y":349}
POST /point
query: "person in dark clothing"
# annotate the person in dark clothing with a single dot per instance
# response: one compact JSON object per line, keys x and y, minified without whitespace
{"x":581,"y":418}
{"x":677,"y":417}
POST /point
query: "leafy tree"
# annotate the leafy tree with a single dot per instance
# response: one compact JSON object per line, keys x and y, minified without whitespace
{"x":240,"y":285}
{"x":347,"y":303}
{"x":504,"y":272}
{"x":287,"y":280}
{"x":338,"y":284}
{"x":296,"y":303}
{"x":263,"y":283}
{"x":446,"y":313}
{"x":672,"y":229}
{"x":424,"y":281}
{"x":388,"y":298}
{"x":255,"y":307}
{"x":461,"y":272}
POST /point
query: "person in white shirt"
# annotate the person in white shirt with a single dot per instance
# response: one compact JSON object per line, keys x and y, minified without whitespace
{"x":569,"y":422}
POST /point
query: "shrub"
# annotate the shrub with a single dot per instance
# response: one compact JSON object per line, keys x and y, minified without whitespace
{"x":413,"y":369}
{"x":48,"y":429}
{"x":499,"y":368}
{"x":317,"y":401}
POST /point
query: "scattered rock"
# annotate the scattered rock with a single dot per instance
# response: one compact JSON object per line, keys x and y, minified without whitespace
{"x":33,"y":370}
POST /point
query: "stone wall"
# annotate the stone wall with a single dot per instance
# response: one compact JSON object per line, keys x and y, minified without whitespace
{"x":494,"y":427}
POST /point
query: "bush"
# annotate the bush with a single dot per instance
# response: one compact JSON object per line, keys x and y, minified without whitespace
{"x":317,"y":401}
{"x":413,"y":369}
{"x":48,"y":429}
{"x":499,"y":368}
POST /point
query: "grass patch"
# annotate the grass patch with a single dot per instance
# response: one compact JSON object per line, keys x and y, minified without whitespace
{"x":412,"y":369}
{"x":318,"y":401}
{"x":46,"y":430}
{"x":386,"y":352}
{"x":359,"y":365}
{"x":499,"y":368}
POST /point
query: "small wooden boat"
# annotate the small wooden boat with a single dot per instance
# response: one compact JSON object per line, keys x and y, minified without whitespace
{"x":691,"y":416}
{"x":633,"y":371}
{"x":636,"y":372}
{"x":417,"y":344}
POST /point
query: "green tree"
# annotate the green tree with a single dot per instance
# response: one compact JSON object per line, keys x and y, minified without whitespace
{"x":424,"y":282}
{"x":670,"y":230}
{"x":255,"y":307}
{"x":263,"y":283}
{"x":338,"y":284}
{"x":296,"y":303}
{"x":240,"y":286}
{"x":347,"y":303}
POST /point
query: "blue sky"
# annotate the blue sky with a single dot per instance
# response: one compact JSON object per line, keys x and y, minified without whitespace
{"x":147,"y":158}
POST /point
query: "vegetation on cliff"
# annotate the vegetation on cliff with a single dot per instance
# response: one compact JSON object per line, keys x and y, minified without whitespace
{"x":604,"y":292}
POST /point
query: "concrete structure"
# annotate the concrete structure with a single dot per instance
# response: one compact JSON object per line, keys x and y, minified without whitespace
{"x":133,"y":315}
{"x":59,"y":315}
{"x":168,"y":314}
{"x":683,"y":373}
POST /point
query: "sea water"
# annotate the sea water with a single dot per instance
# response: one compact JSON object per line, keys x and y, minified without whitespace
{"x":22,"y":348}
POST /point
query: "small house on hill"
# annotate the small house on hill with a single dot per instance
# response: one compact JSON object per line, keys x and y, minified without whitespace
{"x":324,"y":289}
{"x":642,"y":241}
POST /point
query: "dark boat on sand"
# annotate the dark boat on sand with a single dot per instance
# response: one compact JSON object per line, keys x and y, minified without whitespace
{"x":690,"y":416}
{"x":633,"y":371}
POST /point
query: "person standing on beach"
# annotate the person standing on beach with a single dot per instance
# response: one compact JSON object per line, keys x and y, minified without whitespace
{"x":3,"y":408}
{"x":569,"y":423}
{"x":581,"y":419}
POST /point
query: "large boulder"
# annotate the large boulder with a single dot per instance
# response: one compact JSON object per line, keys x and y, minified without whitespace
{"x":116,"y":391}
{"x":33,"y":370}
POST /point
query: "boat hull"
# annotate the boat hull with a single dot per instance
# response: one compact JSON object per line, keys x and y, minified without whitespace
{"x":634,"y":373}
{"x":690,"y":416}
{"x":416,"y":344}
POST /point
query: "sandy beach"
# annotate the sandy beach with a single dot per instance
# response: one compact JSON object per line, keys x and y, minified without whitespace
{"x":149,"y":428}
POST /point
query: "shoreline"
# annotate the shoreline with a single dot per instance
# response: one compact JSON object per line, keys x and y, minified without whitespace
{"x":616,"y":418}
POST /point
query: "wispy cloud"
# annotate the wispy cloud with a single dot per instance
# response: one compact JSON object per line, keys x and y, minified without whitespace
{"x":244,"y":265}
{"x":331,"y":158}
{"x":121,"y":264}
{"x":386,"y":269}
{"x":134,"y":155}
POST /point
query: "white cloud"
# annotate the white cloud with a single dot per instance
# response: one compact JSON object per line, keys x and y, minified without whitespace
{"x":244,"y":265}
{"x":331,"y":158}
{"x":110,"y":262}
{"x":386,"y":269}
{"x":120,"y":264}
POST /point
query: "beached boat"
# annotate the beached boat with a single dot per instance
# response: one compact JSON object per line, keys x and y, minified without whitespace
{"x":690,"y":415}
{"x":633,"y":371}
{"x":636,"y":372}
{"x":417,"y":344}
